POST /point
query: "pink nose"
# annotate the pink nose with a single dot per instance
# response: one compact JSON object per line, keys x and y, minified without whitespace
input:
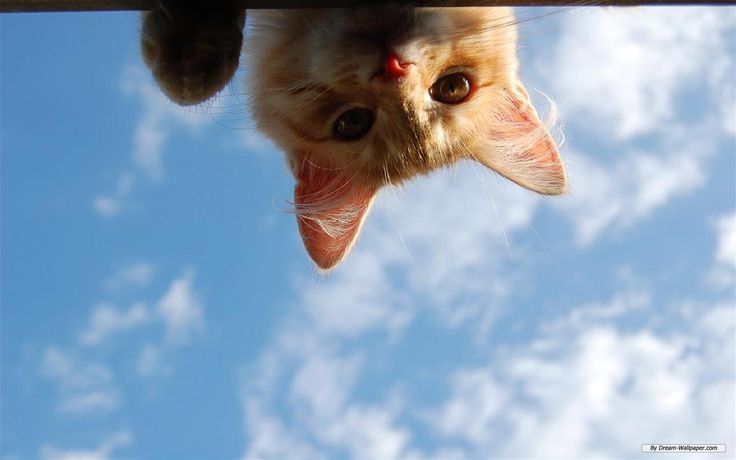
{"x":393,"y":67}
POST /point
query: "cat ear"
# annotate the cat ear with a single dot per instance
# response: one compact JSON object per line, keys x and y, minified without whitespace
{"x":518,"y":146}
{"x":330,"y":210}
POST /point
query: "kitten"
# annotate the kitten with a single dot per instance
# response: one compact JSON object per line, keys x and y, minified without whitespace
{"x":366,"y":97}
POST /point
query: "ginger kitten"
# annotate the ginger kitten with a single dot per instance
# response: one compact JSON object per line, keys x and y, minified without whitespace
{"x":365,"y":97}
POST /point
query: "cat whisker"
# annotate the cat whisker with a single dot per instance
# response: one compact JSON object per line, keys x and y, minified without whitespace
{"x":482,"y":175}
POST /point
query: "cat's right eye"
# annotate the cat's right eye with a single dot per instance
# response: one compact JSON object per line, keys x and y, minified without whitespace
{"x":353,"y":124}
{"x":451,"y":89}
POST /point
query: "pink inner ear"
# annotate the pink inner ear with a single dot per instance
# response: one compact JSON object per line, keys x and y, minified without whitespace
{"x":519,"y":147}
{"x":330,"y":211}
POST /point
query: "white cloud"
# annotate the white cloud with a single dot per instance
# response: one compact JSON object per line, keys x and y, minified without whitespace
{"x":723,"y":273}
{"x":160,"y":118}
{"x":321,"y":384}
{"x":623,"y":74}
{"x":106,"y":206}
{"x":726,"y":247}
{"x":56,"y":363}
{"x":606,"y":198}
{"x":87,"y":386}
{"x":269,"y":438}
{"x":106,"y":320}
{"x":369,"y":431}
{"x":181,"y":309}
{"x":723,"y":85}
{"x":584,"y":315}
{"x":356,"y":300}
{"x":597,"y":391}
{"x":319,"y":391}
{"x":585,"y":387}
{"x":320,"y":396}
{"x":624,"y":69}
{"x":135,"y":275}
{"x":112,"y":205}
{"x":109,"y":445}
{"x":149,"y":141}
{"x":83,"y":387}
{"x":92,"y":401}
{"x":150,"y":362}
{"x":476,"y":403}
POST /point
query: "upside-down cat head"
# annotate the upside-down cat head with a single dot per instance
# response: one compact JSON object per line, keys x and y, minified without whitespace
{"x":362,"y":98}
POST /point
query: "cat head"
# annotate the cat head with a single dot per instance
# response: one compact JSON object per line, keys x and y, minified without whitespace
{"x":361,"y":98}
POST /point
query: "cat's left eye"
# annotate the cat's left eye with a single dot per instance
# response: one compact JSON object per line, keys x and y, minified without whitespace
{"x":451,"y":89}
{"x":353,"y":124}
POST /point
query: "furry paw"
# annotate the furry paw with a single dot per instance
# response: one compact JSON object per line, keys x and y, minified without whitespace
{"x":192,"y":52}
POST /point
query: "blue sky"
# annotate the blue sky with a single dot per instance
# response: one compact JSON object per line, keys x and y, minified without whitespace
{"x":157,"y":301}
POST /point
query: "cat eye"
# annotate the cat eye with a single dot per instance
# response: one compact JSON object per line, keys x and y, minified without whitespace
{"x":451,"y":89}
{"x":353,"y":124}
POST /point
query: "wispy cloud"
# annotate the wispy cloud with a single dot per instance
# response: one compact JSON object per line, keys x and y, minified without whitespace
{"x":131,"y":276}
{"x":723,"y":89}
{"x":623,"y":73}
{"x":84,"y":387}
{"x":85,"y":375}
{"x":596,"y":390}
{"x":103,"y":451}
{"x":610,"y":198}
{"x":181,"y":309}
{"x":112,"y":205}
{"x":726,"y":248}
{"x":629,"y":382}
{"x":471,"y":412}
{"x":268,"y":435}
{"x":151,"y":361}
{"x":319,"y":394}
{"x":625,"y":70}
{"x":585,"y":386}
{"x":723,"y":273}
{"x":591,"y":385}
{"x":159,"y":120}
{"x":107,"y":320}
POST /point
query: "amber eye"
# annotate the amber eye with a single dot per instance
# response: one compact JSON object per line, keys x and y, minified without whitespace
{"x":451,"y":89}
{"x":353,"y":124}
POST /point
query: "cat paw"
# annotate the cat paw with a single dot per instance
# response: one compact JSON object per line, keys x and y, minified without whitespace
{"x":192,"y":52}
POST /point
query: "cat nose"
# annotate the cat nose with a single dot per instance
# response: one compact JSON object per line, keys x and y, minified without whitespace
{"x":393,"y":67}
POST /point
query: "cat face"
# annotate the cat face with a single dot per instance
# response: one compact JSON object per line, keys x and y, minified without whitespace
{"x":362,"y":98}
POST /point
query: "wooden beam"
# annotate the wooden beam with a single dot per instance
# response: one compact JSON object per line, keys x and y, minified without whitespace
{"x":8,"y":6}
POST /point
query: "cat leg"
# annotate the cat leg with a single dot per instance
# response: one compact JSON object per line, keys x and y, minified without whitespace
{"x":192,"y":51}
